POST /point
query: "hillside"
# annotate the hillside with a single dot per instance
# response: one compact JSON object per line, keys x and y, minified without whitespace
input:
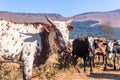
{"x":28,"y":17}
{"x":111,"y":16}
{"x":85,"y":24}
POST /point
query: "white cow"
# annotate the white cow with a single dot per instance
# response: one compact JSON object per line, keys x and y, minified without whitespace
{"x":30,"y":42}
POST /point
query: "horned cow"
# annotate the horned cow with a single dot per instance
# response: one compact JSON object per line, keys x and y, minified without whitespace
{"x":30,"y":43}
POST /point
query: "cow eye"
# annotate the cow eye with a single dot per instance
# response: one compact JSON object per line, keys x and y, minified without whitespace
{"x":113,"y":51}
{"x":108,"y":51}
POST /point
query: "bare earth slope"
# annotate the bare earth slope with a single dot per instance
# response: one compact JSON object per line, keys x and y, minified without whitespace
{"x":111,"y":16}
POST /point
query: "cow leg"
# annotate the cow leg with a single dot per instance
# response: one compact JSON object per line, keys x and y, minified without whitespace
{"x":118,"y":62}
{"x":105,"y":63}
{"x":0,"y":66}
{"x":93,"y":60}
{"x":98,"y":58}
{"x":85,"y":63}
{"x":74,"y":60}
{"x":114,"y":62}
{"x":103,"y":58}
{"x":27,"y":69}
{"x":91,"y":63}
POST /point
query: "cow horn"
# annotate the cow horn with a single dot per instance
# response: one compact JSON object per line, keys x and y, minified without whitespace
{"x":49,"y":20}
{"x":69,"y":21}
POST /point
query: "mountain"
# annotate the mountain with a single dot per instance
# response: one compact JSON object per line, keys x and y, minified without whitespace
{"x":111,"y":16}
{"x":85,"y":24}
{"x":29,"y":17}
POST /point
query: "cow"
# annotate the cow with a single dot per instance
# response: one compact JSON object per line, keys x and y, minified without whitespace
{"x":30,"y":43}
{"x":100,"y":49}
{"x":113,"y":51}
{"x":84,"y":48}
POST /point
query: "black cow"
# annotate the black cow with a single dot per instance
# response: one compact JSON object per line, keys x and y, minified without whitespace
{"x":84,"y":48}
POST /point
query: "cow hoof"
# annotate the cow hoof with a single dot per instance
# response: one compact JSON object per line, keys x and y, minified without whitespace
{"x":105,"y":69}
{"x":93,"y":65}
{"x":91,"y":73}
{"x":84,"y":71}
{"x":114,"y":68}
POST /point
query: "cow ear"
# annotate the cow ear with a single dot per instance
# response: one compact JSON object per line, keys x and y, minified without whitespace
{"x":101,"y":40}
{"x":96,"y":40}
{"x":115,"y":43}
{"x":70,"y":28}
{"x":104,"y":43}
{"x":47,"y":29}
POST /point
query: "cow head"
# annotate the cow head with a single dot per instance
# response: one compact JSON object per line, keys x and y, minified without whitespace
{"x":91,"y":44}
{"x":110,"y":48}
{"x":60,"y":33}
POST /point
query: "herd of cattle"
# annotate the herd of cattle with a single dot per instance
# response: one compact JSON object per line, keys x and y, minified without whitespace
{"x":88,"y":47}
{"x":32,"y":44}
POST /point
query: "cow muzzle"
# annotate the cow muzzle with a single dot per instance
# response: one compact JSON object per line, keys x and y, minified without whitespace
{"x":65,"y":50}
{"x":91,"y":51}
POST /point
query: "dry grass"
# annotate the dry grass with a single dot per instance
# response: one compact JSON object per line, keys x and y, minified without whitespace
{"x":58,"y":68}
{"x":10,"y":71}
{"x":54,"y":65}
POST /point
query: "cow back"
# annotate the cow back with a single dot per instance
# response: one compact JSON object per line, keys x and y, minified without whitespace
{"x":80,"y":47}
{"x":19,"y":40}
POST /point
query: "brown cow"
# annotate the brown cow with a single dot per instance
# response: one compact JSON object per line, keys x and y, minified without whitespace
{"x":100,"y":49}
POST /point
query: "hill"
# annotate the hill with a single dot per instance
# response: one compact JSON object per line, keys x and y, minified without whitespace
{"x":112,"y":16}
{"x":85,"y":24}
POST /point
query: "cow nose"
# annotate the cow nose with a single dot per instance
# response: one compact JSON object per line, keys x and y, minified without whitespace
{"x":108,"y":51}
{"x":90,"y":49}
{"x":114,"y":51}
{"x":67,"y":50}
{"x":62,"y":50}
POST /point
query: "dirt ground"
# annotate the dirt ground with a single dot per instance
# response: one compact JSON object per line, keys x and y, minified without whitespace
{"x":71,"y":73}
{"x":98,"y":74}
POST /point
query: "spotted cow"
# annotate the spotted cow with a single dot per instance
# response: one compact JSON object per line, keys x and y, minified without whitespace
{"x":30,"y":43}
{"x":113,"y":51}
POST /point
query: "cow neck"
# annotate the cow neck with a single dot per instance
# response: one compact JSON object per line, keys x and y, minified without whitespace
{"x":42,"y":58}
{"x":59,"y":39}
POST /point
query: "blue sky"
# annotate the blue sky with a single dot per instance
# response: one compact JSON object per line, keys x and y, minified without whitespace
{"x":66,"y":8}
